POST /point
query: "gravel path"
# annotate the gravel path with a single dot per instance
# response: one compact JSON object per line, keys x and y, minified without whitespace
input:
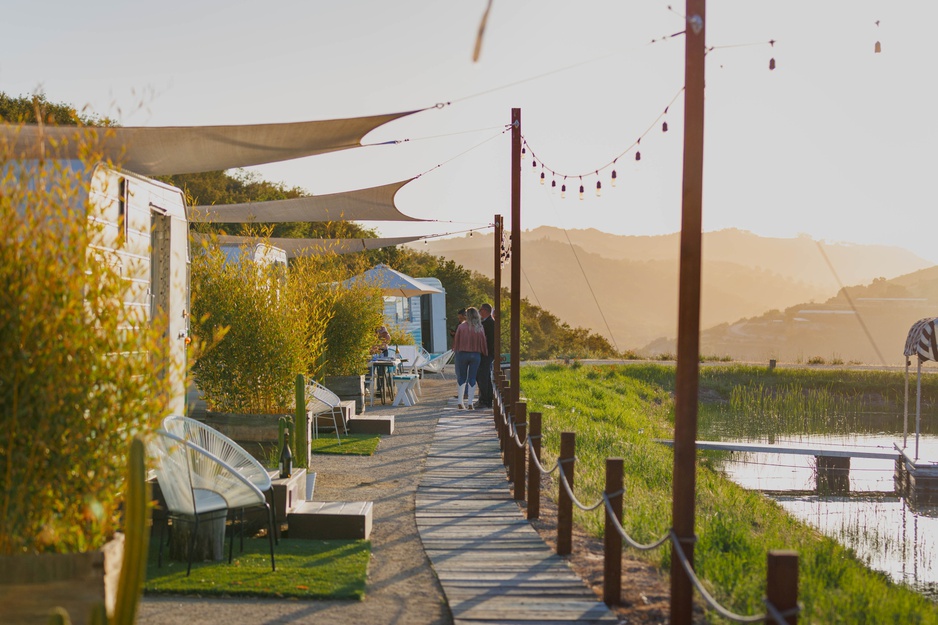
{"x":402,"y":588}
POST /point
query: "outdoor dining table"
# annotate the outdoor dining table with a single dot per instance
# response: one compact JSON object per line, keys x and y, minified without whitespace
{"x":382,"y":377}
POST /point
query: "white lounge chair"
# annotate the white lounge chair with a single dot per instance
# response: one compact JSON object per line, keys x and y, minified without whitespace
{"x":195,"y":482}
{"x":324,"y":404}
{"x":436,"y":363}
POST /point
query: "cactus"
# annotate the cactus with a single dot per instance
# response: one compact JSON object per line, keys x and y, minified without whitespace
{"x":136,"y":543}
{"x":300,"y":442}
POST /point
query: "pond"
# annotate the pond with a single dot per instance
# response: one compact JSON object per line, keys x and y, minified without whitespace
{"x":882,"y":528}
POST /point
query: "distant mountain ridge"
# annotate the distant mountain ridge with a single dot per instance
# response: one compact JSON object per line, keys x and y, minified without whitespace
{"x":635,"y":278}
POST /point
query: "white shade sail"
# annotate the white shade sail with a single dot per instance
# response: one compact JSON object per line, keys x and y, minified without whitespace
{"x":372,"y":204}
{"x":296,"y":248}
{"x":159,"y":151}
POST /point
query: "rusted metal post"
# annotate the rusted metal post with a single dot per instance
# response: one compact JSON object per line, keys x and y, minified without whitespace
{"x":781,"y":583}
{"x":688,"y":333}
{"x":534,"y":474}
{"x":515,"y":369}
{"x":612,"y":540}
{"x":564,"y":502}
{"x":521,"y":425}
{"x":497,"y":296}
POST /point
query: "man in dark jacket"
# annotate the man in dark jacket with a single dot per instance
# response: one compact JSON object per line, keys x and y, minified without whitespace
{"x":485,"y":365}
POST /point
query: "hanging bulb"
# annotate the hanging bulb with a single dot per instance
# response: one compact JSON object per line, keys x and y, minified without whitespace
{"x":524,"y":150}
{"x":425,"y":242}
{"x":553,"y":185}
{"x":581,"y":192}
{"x":599,"y":188}
{"x":772,"y":63}
{"x":638,"y":156}
{"x":877,"y":48}
{"x":563,"y":191}
{"x":533,"y":162}
{"x":471,"y":233}
{"x":613,"y":177}
{"x":664,"y":127}
{"x":542,"y":177}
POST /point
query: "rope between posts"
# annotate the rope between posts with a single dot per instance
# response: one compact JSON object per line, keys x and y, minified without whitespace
{"x":628,"y":539}
{"x":539,"y":466}
{"x":778,"y":617}
{"x":566,"y":487}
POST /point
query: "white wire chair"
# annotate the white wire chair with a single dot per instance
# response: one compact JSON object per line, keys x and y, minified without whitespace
{"x":324,"y":404}
{"x":214,"y":442}
{"x":436,"y":364}
{"x":195,"y":482}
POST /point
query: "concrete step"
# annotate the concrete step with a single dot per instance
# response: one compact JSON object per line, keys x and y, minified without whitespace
{"x":323,"y":520}
{"x":371,"y":424}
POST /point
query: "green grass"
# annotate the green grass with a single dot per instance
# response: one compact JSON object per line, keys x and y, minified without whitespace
{"x":351,"y":445}
{"x":619,"y":411}
{"x":306,"y":569}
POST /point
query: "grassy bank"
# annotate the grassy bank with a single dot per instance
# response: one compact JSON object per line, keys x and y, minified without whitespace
{"x":619,"y":411}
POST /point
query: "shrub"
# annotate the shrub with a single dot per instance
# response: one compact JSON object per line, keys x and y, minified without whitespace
{"x":257,"y":318}
{"x":350,"y":333}
{"x":77,"y":381}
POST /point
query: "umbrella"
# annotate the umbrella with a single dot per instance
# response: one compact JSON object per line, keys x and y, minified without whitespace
{"x":392,"y":283}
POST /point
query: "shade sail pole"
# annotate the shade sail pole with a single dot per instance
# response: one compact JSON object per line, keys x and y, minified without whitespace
{"x":515,"y":256}
{"x":688,"y":333}
{"x":497,"y":297}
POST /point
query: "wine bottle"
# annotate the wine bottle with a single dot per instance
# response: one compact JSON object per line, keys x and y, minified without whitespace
{"x":286,"y":457}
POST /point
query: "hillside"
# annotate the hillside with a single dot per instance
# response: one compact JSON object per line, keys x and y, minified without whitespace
{"x":831,"y":331}
{"x":635,"y":278}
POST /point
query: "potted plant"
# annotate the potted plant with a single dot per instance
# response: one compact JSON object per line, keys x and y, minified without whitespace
{"x":78,"y":379}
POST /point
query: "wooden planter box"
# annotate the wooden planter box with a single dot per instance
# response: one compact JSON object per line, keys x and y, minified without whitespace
{"x":31,"y":585}
{"x":257,"y":433}
{"x":348,"y":387}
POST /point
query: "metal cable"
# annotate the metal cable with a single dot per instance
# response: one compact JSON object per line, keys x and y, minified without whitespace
{"x":739,"y":618}
{"x":566,"y":487}
{"x":628,"y":539}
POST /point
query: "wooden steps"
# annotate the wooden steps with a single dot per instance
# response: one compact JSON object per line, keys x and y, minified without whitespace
{"x":493,"y":566}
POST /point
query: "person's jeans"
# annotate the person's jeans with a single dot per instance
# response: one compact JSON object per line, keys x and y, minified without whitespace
{"x":485,"y":380}
{"x":467,"y":366}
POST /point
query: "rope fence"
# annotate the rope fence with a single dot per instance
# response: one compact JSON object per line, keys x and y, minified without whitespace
{"x":520,"y":439}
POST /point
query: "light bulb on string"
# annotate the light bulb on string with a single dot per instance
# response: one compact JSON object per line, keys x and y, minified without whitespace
{"x":613,"y":177}
{"x":471,"y":233}
{"x":553,"y":185}
{"x":524,"y":150}
{"x":563,"y":191}
{"x":581,"y":187}
{"x":638,"y":155}
{"x":664,"y":126}
{"x":542,"y":177}
{"x":534,"y":163}
{"x":599,"y":188}
{"x":772,"y":60}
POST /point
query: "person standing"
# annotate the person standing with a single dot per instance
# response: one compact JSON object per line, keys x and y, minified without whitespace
{"x":469,"y":345}
{"x":485,"y":363}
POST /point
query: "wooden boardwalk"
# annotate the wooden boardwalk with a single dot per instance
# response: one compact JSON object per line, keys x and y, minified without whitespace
{"x":493,"y":566}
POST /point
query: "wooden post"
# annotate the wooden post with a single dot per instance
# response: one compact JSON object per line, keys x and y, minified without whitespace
{"x":521,"y":425}
{"x":688,"y":333}
{"x":515,"y":369}
{"x":781,"y":583}
{"x":564,"y":502}
{"x":534,"y":474}
{"x":612,"y":540}
{"x":497,"y":296}
{"x":503,"y":427}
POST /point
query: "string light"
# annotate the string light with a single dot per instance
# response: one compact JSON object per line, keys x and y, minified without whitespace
{"x":542,"y":177}
{"x":553,"y":185}
{"x":581,"y":187}
{"x":772,"y":60}
{"x":613,"y":177}
{"x":877,"y":47}
{"x":563,"y":191}
{"x":599,"y":188}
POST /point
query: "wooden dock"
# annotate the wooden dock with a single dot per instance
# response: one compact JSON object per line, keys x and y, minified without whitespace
{"x":493,"y":566}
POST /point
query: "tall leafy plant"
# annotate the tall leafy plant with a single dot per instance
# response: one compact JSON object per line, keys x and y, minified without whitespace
{"x":254,"y":318}
{"x":78,"y":380}
{"x":350,"y":334}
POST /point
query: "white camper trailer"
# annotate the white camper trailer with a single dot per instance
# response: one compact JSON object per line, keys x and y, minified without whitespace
{"x":145,"y":230}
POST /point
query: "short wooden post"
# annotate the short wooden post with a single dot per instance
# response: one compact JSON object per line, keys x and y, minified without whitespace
{"x":509,"y":448}
{"x":521,"y":425}
{"x":564,"y":502}
{"x":504,"y":429}
{"x":781,"y":584}
{"x":534,"y":473}
{"x":612,"y":540}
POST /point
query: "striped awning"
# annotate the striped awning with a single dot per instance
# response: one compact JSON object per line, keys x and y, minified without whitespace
{"x":922,"y":340}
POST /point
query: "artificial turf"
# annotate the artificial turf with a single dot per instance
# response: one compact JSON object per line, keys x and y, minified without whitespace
{"x":306,"y":569}
{"x":351,"y":445}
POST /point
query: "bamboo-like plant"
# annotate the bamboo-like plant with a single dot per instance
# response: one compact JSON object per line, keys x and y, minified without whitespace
{"x":78,"y":379}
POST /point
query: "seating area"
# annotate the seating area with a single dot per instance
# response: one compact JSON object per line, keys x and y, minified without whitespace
{"x":325,"y":406}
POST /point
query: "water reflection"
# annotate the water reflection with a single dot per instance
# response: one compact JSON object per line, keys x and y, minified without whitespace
{"x":882,"y":529}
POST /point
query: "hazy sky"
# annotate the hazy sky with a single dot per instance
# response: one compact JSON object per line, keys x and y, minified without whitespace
{"x":837,"y":142}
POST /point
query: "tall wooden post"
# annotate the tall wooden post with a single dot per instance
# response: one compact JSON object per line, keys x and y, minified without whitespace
{"x":688,"y":333}
{"x":497,"y":297}
{"x":781,"y":584}
{"x":612,"y":540}
{"x":515,"y":258}
{"x":567,"y":461}
{"x":534,"y":473}
{"x":521,"y":426}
